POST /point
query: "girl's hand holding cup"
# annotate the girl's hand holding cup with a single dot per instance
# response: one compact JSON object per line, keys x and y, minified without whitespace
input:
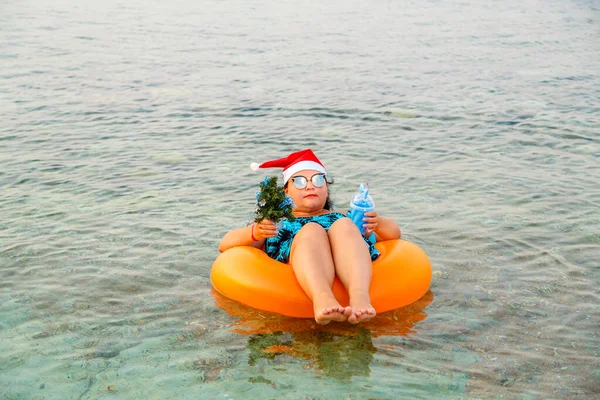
{"x":371,"y":222}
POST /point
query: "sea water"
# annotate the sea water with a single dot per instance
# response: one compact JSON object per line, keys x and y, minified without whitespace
{"x":126,"y":132}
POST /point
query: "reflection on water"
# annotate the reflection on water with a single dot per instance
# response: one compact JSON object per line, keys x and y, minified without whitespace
{"x":391,"y":323}
{"x":337,"y":356}
{"x":339,"y":350}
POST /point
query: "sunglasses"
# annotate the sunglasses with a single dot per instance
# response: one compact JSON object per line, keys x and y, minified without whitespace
{"x":300,"y":181}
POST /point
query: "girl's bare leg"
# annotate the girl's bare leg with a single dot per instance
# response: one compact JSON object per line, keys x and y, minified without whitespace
{"x":310,"y":257}
{"x":353,"y":266}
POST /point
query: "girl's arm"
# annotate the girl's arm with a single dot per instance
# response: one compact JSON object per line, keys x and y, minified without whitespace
{"x":253,"y":235}
{"x":387,"y":229}
{"x":240,"y":237}
{"x":384,"y":228}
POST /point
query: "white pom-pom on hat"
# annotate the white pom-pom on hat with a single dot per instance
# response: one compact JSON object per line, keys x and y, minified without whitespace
{"x":254,"y":166}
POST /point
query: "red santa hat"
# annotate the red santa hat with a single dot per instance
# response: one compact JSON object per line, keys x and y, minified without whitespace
{"x":298,"y":161}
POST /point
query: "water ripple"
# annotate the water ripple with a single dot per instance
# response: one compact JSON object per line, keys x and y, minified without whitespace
{"x":125,"y":143}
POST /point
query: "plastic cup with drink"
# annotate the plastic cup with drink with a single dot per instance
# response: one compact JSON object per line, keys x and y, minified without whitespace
{"x":361,"y":204}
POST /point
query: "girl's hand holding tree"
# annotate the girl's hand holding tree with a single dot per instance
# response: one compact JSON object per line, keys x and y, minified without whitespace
{"x":264,"y":229}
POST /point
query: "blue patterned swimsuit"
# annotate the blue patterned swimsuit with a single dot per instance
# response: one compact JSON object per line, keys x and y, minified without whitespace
{"x":279,"y":247}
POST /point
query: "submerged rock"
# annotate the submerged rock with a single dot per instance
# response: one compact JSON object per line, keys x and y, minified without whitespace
{"x":104,"y":353}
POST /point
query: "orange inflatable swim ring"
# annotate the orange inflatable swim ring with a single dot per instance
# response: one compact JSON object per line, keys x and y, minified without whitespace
{"x":401,"y":276}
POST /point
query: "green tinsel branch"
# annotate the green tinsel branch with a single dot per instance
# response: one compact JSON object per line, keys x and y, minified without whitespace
{"x":272,"y":203}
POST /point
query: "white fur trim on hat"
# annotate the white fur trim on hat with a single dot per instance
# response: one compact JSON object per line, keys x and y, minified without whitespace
{"x":254,"y":166}
{"x":302,"y":165}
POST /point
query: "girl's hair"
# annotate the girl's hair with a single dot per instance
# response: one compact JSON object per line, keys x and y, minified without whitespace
{"x":328,"y":203}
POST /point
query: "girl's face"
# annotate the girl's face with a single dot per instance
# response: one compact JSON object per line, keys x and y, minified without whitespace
{"x":308,"y":189}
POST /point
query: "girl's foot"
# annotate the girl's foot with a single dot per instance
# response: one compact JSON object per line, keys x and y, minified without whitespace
{"x":362,"y":310}
{"x":362,"y":315}
{"x":325,"y":312}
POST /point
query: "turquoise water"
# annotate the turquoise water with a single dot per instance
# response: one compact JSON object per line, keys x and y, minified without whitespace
{"x":126,"y":134}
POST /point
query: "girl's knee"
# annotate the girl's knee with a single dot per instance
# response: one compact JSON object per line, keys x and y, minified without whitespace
{"x":311,"y":237}
{"x":343,"y":226}
{"x":312,"y":229}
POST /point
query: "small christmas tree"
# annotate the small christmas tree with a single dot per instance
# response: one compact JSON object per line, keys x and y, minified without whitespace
{"x":272,"y":203}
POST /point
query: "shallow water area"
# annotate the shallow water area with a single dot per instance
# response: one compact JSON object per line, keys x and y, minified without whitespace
{"x":125,"y":144}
